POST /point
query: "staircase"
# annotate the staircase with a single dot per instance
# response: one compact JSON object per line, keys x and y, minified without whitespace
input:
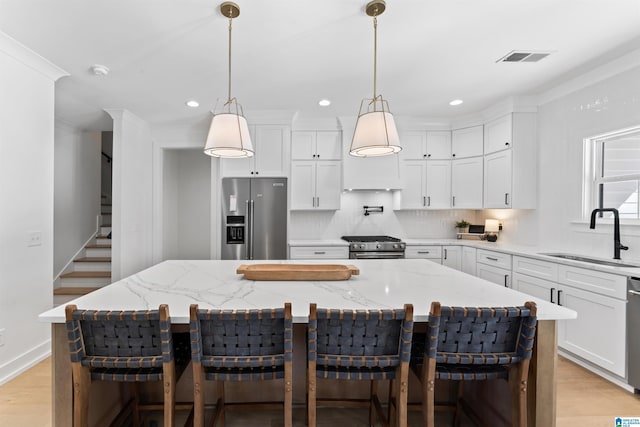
{"x":92,"y":269}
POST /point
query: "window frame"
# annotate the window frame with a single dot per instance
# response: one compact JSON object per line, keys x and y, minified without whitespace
{"x":593,"y":179}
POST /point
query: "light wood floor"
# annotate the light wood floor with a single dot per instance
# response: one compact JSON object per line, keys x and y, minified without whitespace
{"x":584,"y":399}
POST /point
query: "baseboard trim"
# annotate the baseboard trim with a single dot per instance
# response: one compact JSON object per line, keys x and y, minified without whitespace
{"x":596,"y":370}
{"x":25,"y":361}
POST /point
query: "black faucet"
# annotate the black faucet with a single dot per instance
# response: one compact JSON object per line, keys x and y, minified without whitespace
{"x":617,"y":246}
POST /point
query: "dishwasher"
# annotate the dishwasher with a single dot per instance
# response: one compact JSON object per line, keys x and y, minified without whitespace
{"x":633,"y":332}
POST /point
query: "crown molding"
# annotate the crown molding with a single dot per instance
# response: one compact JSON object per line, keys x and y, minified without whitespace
{"x":28,"y":57}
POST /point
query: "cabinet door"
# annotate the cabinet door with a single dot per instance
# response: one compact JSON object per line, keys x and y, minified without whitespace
{"x":303,"y":145}
{"x":452,"y":257}
{"x":438,"y":187}
{"x":413,"y":184}
{"x":536,"y":287}
{"x":466,"y":183}
{"x":270,"y":150}
{"x":243,"y":167}
{"x":497,"y":180}
{"x":303,"y":178}
{"x":328,"y":145}
{"x":469,"y":260}
{"x":414,"y":145}
{"x":599,"y":333}
{"x":467,"y":142}
{"x":439,"y":145}
{"x":328,"y":185}
{"x":498,"y":134}
{"x":499,"y":276}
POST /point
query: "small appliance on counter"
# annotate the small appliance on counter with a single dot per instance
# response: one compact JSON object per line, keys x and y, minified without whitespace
{"x":375,"y":247}
{"x":476,"y":232}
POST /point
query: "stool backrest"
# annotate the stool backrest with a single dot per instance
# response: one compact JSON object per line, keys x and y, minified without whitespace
{"x":119,"y":339}
{"x":360,"y":338}
{"x":480,"y":335}
{"x":247,"y":338}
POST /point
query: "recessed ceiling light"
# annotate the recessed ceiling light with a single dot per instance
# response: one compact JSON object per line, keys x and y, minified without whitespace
{"x":456,"y":102}
{"x":324,"y":103}
{"x":192,"y":104}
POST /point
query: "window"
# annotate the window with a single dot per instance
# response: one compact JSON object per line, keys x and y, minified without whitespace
{"x":614,"y":161}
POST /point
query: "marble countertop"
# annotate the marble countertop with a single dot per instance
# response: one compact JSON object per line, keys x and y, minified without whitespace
{"x":327,"y":242}
{"x":381,"y":284}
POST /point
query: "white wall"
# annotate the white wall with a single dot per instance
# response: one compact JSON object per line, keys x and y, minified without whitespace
{"x":350,"y":220}
{"x":187,"y":203}
{"x":132,"y":218}
{"x":26,"y":191}
{"x":563,"y":124}
{"x":76,"y":191}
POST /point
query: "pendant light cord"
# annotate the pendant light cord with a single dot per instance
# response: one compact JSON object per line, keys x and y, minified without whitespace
{"x":375,"y":58}
{"x":230,"y":21}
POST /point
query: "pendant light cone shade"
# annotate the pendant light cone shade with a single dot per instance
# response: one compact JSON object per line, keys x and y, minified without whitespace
{"x":375,"y":133}
{"x":229,"y":133}
{"x":229,"y":136}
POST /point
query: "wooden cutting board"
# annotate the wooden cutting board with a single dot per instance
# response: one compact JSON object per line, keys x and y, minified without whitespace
{"x":320,"y":272}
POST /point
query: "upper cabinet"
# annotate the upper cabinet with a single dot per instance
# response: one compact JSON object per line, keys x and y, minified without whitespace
{"x":510,"y":162}
{"x":432,"y":145}
{"x":271,"y":154}
{"x":316,"y":145}
{"x":467,"y":142}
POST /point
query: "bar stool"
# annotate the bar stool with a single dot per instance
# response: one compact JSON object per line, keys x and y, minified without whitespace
{"x":369,"y":345}
{"x":241,"y":345}
{"x":475,"y":344}
{"x":122,"y":346}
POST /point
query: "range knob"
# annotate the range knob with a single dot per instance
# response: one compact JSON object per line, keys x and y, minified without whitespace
{"x":395,"y":246}
{"x":377,"y":246}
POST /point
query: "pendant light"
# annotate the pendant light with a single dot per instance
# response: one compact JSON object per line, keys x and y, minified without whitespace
{"x":229,"y":133}
{"x":375,"y":133}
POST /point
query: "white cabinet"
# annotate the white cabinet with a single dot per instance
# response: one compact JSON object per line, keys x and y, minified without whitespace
{"x":452,"y":256}
{"x":510,"y":171}
{"x":316,"y":145}
{"x":430,"y":252}
{"x":497,"y":180}
{"x":433,"y":145}
{"x":426,"y":184}
{"x":271,"y":154}
{"x":467,"y":142}
{"x":498,"y":134}
{"x":466,"y":183}
{"x":318,"y":252}
{"x":494,"y":267}
{"x":599,"y":333}
{"x":469,"y":260}
{"x":315,"y":185}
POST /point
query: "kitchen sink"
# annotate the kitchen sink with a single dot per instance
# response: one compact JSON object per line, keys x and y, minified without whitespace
{"x":590,"y":260}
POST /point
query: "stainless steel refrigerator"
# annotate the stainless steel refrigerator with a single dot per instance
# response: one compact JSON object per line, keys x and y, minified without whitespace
{"x":254,"y":218}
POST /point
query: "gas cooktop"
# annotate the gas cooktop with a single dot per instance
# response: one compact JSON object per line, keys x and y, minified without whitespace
{"x":365,"y":239}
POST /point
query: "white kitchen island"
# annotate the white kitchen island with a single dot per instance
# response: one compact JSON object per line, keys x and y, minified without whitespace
{"x":381,"y":284}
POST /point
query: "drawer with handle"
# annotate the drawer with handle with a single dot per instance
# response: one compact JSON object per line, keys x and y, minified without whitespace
{"x":319,"y":252}
{"x":497,"y":259}
{"x":423,"y":251}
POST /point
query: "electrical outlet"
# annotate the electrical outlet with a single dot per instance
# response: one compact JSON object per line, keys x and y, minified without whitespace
{"x":34,"y":238}
{"x":2,"y":337}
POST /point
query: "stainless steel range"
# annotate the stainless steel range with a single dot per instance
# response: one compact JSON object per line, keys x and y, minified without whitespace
{"x":375,"y":247}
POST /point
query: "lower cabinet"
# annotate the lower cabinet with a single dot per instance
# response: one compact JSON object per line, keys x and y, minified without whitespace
{"x":469,"y":260}
{"x":430,"y":252}
{"x":452,"y":256}
{"x":318,"y":252}
{"x":598,"y":335}
{"x":494,"y":267}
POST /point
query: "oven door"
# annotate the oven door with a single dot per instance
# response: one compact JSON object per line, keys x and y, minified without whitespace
{"x":376,"y":255}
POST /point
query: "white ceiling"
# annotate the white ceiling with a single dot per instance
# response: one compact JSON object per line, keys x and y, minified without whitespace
{"x":288,"y":54}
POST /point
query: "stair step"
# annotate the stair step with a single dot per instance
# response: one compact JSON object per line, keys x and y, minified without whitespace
{"x":74,"y":290}
{"x":98,"y":246}
{"x":86,"y":274}
{"x":93,"y":259}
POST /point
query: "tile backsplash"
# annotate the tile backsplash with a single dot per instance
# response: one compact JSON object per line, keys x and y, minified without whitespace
{"x":350,"y":219}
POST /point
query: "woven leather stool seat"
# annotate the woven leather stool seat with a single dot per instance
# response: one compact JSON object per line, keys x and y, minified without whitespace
{"x":475,"y":344}
{"x":241,"y":345}
{"x":368,"y":345}
{"x":122,"y":346}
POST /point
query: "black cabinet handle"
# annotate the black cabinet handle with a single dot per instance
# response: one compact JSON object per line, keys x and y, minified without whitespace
{"x":506,"y":199}
{"x":424,"y":155}
{"x":445,"y":254}
{"x":492,"y":259}
{"x":506,"y":276}
{"x":453,"y":155}
{"x":424,"y":201}
{"x":551,"y":295}
{"x":506,"y":143}
{"x":454,"y":201}
{"x":251,"y":172}
{"x":428,"y":200}
{"x":428,"y":155}
{"x":559,"y":292}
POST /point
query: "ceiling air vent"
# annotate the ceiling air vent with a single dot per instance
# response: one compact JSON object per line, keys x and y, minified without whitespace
{"x":522,"y":56}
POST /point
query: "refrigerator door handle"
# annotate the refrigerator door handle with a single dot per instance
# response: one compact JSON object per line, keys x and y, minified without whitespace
{"x":247,"y":246}
{"x":251,"y":213}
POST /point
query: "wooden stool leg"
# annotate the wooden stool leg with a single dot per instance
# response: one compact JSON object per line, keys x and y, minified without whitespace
{"x":393,"y":401}
{"x":311,"y":393}
{"x":135,"y":408}
{"x":169,"y":380}
{"x":288,"y":394}
{"x":428,"y":392}
{"x":221,"y":402}
{"x":81,"y":386}
{"x":402,"y":386}
{"x":518,"y":389}
{"x":372,"y":396}
{"x":458,"y":418}
{"x":198,"y":395}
